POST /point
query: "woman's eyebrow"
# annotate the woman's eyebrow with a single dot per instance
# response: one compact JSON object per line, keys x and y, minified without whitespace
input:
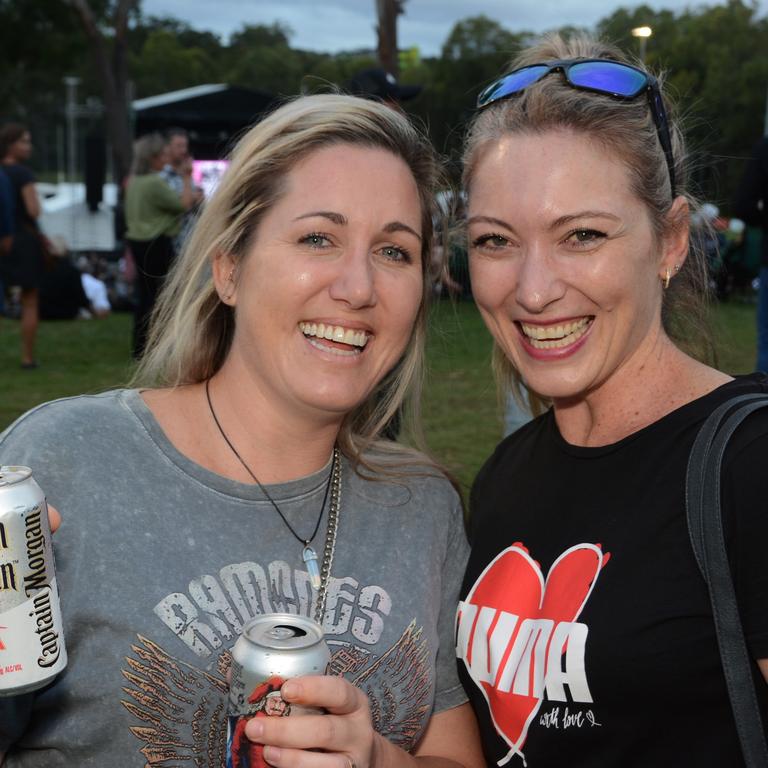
{"x":341,"y":220}
{"x":398,"y":226}
{"x":489,"y":220}
{"x":336,"y":218}
{"x":582,"y":215}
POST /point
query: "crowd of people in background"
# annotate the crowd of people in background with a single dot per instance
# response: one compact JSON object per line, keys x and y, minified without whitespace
{"x":42,"y":280}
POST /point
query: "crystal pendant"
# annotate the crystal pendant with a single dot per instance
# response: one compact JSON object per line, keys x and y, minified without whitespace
{"x":310,"y":558}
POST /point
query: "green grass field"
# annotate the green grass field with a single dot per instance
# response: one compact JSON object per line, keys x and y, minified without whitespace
{"x":461,"y":414}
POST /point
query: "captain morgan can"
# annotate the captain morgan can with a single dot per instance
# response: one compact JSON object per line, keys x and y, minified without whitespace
{"x":272,"y":649}
{"x":32,"y":649}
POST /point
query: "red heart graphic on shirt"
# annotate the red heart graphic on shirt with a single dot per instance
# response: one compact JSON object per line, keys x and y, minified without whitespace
{"x":513,"y":628}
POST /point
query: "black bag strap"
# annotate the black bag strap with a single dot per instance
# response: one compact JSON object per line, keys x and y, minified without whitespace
{"x":705,"y":526}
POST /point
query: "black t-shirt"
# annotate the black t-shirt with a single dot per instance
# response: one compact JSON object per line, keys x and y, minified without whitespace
{"x":20,"y":177}
{"x":585,"y":632}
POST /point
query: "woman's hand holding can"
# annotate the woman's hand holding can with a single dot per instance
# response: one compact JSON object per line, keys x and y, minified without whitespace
{"x":342,"y":738}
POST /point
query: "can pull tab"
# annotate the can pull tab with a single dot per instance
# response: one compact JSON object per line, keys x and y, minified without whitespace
{"x":310,"y":558}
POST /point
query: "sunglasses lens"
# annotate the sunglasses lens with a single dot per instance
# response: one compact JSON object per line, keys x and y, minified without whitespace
{"x":512,"y":83}
{"x":609,"y":77}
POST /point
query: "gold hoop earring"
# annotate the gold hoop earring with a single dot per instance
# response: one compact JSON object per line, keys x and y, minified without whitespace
{"x":667,"y":278}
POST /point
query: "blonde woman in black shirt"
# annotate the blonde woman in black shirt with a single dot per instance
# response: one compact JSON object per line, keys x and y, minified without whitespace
{"x":585,"y":631}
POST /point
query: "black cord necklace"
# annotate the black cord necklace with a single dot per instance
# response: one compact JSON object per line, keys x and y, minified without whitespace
{"x":308,"y":553}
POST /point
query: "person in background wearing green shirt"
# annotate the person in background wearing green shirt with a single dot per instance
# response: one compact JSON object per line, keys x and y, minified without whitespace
{"x":153,"y":213}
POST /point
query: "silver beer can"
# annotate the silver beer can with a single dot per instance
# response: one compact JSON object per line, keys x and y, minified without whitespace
{"x":272,"y":649}
{"x":32,"y":648}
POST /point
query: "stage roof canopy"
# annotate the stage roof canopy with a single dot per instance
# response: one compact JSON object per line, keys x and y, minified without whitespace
{"x":213,"y":114}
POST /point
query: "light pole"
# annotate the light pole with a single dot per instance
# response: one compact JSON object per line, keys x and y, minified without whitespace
{"x":643,"y":33}
{"x":71,"y":112}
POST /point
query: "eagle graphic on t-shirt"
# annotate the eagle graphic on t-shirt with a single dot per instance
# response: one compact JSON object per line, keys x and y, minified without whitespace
{"x":180,"y":711}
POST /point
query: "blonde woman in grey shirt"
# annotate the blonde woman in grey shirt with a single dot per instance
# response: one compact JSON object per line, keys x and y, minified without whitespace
{"x":289,"y":333}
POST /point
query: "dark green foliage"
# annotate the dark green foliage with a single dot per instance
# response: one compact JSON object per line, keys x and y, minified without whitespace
{"x":717,"y":68}
{"x":164,"y":63}
{"x":40,"y":42}
{"x":715,"y":58}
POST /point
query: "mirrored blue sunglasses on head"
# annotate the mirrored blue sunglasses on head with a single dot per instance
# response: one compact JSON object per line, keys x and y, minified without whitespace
{"x":610,"y":78}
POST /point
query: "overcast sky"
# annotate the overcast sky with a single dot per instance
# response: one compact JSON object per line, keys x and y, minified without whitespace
{"x":337,"y":25}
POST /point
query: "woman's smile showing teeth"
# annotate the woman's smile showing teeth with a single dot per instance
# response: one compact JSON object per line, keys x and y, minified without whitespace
{"x":327,"y":295}
{"x":556,"y":336}
{"x":344,"y":341}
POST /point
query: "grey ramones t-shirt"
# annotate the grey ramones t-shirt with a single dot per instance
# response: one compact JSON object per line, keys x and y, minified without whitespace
{"x":160,"y":563}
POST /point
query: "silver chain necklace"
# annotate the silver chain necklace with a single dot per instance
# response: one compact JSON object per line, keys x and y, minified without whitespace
{"x":318,"y":576}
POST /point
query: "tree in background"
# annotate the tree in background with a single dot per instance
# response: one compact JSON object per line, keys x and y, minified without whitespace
{"x":479,"y":37}
{"x":323,"y":72}
{"x":37,"y":38}
{"x":111,"y":60}
{"x":387,"y":12}
{"x":715,"y":58}
{"x":717,"y":71}
{"x":476,"y":50}
{"x":40,"y":42}
{"x":166,"y":54}
{"x":260,"y":56}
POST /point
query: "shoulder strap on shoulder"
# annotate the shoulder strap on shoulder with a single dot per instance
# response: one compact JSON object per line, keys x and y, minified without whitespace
{"x":705,"y":526}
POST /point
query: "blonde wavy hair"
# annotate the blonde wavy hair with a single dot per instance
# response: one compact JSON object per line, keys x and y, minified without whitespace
{"x":627,"y":129}
{"x":192,"y":329}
